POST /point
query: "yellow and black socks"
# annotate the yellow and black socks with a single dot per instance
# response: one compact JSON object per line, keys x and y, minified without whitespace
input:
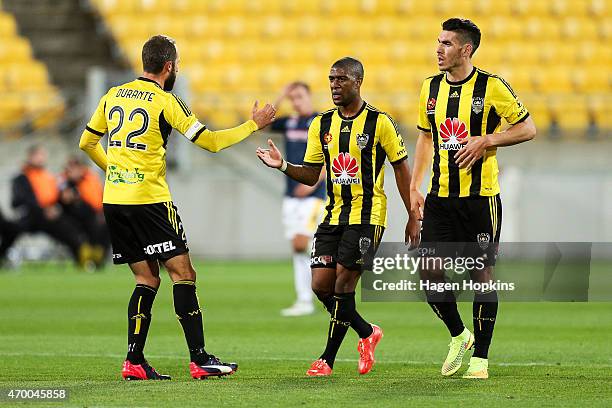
{"x":189,"y":315}
{"x":484,"y":312}
{"x":343,"y":313}
{"x":358,"y":323}
{"x":444,"y":306}
{"x":139,"y":319}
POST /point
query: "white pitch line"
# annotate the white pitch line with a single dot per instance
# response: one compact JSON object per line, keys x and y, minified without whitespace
{"x":259,"y":358}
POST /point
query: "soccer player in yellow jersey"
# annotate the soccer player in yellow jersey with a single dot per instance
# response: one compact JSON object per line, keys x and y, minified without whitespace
{"x":143,"y":221}
{"x":460,"y":112}
{"x":352,"y":141}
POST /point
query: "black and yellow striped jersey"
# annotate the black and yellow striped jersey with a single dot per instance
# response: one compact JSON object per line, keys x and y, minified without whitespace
{"x":455,"y":111}
{"x":139,"y":117}
{"x":354,"y":150}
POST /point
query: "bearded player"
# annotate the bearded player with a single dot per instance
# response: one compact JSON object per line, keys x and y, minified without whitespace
{"x":145,"y":227}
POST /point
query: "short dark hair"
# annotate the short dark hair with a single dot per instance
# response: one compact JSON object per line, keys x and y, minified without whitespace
{"x":158,"y":50}
{"x":467,"y":30}
{"x":352,"y":66}
{"x":298,"y":84}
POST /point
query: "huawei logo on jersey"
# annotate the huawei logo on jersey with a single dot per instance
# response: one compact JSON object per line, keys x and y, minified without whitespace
{"x":453,"y":133}
{"x":345,"y":168}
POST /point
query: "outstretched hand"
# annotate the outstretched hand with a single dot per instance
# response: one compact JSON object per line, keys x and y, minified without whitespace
{"x":264,"y":116}
{"x":270,"y":157}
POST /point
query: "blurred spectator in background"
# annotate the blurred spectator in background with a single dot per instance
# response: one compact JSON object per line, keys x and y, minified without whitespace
{"x":36,"y":197}
{"x":9,"y":231}
{"x":81,"y":199}
{"x":303,"y":205}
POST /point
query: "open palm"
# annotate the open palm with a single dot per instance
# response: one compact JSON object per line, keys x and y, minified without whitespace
{"x":271,"y":157}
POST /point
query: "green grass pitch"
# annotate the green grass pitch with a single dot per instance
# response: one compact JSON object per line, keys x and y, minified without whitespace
{"x":62,"y":328}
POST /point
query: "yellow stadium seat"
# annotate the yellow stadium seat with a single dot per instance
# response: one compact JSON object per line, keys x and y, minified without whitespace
{"x":601,"y":112}
{"x":455,"y":8}
{"x":12,"y":110}
{"x":17,"y":50}
{"x":307,"y":27}
{"x":593,"y":79}
{"x":29,"y":76}
{"x":520,"y":79}
{"x":505,"y":27}
{"x":566,"y":8}
{"x":570,"y":113}
{"x":8,"y":26}
{"x":541,"y":28}
{"x":598,"y":8}
{"x":276,"y":26}
{"x":485,"y":8}
{"x":593,"y":53}
{"x":604,"y":29}
{"x":552,"y":52}
{"x":522,"y":54}
{"x":539,"y":110}
{"x":116,"y":7}
{"x":299,"y":7}
{"x":556,"y":80}
{"x":129,"y":27}
{"x":530,"y":8}
{"x":579,"y":28}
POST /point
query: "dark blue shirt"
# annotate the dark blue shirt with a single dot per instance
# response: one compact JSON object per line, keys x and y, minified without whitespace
{"x":295,"y":130}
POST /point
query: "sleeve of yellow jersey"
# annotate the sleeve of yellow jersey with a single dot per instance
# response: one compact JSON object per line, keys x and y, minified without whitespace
{"x":95,"y":129}
{"x":423,"y":122}
{"x":178,"y":115}
{"x":506,"y":103}
{"x":314,"y":149}
{"x":391,"y":140}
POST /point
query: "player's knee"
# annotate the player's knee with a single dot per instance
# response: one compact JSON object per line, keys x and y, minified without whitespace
{"x":435,"y":275}
{"x":149,"y":280}
{"x":482,"y":275}
{"x":182,"y":274}
{"x":346,"y":280}
{"x":320,"y":291}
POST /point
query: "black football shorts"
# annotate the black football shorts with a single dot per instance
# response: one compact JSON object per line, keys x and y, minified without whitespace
{"x":145,"y":232}
{"x":472,"y":223}
{"x":352,"y":246}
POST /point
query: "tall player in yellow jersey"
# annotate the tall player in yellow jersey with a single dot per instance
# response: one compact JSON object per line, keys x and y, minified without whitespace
{"x":352,"y":141}
{"x":460,"y":112}
{"x":144,"y":224}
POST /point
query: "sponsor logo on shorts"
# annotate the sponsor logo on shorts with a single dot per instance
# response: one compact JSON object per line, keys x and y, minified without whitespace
{"x":321,"y":259}
{"x":117,"y":256}
{"x":160,"y":248}
{"x":364,"y":245}
{"x":483,"y":240}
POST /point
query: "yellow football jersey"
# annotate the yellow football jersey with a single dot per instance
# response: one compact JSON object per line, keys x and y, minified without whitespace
{"x":139,"y":117}
{"x":354,"y":151}
{"x":455,"y":111}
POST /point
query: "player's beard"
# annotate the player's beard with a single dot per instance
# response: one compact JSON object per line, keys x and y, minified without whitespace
{"x":169,"y":84}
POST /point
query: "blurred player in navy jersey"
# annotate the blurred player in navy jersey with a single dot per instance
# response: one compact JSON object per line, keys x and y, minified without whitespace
{"x":303,"y":205}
